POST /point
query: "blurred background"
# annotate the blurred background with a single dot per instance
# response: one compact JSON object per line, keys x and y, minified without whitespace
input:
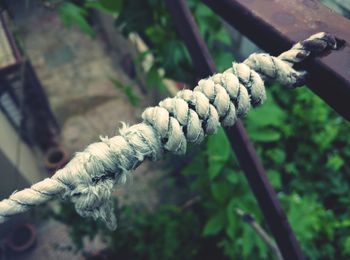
{"x":72,"y":70}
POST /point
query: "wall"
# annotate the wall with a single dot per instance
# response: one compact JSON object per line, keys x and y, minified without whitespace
{"x":13,"y":151}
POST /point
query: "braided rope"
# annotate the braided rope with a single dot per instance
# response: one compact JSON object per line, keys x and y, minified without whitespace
{"x":88,"y":179}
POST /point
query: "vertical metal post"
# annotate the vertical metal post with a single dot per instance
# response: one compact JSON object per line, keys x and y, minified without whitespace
{"x":245,"y":152}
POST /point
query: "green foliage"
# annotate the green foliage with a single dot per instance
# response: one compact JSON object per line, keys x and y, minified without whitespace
{"x":263,"y":122}
{"x":66,"y":213}
{"x":177,"y":229}
{"x":127,"y":89}
{"x":214,"y":224}
{"x":218,"y":150}
{"x":303,"y":144}
{"x":154,"y":80}
{"x":108,"y":6}
{"x":72,"y":14}
{"x":169,"y":52}
{"x":172,"y":233}
{"x":158,"y":32}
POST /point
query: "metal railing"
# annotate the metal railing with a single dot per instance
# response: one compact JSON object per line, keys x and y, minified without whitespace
{"x":274,"y":26}
{"x":22,"y":97}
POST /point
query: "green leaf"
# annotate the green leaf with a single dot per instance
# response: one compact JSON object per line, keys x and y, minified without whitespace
{"x":275,"y":178}
{"x":127,"y":90}
{"x":224,"y":60}
{"x":263,"y":249}
{"x":225,"y":37}
{"x":111,"y":6}
{"x":214,"y":225}
{"x":216,"y":163}
{"x":220,"y":191}
{"x":277,"y":155}
{"x":218,"y":149}
{"x":202,"y":10}
{"x":248,"y":240}
{"x":156,"y":33}
{"x":153,"y":79}
{"x":264,"y":135}
{"x":72,"y":14}
{"x":347,"y":246}
{"x":269,"y":114}
{"x":338,"y":185}
{"x":334,"y":162}
{"x":232,"y":176}
{"x":291,"y":168}
{"x":232,"y":218}
{"x":174,"y":54}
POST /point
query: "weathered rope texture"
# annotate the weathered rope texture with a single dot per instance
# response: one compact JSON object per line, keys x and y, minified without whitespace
{"x":88,"y":179}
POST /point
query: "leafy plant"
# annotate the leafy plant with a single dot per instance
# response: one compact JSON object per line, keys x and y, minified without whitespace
{"x":303,"y":144}
{"x":127,"y":89}
{"x":108,"y":6}
{"x":72,"y":14}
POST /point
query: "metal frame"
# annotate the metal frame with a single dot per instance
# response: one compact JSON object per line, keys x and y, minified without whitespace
{"x":239,"y":140}
{"x":276,"y":25}
{"x":37,"y":123}
{"x":286,"y":22}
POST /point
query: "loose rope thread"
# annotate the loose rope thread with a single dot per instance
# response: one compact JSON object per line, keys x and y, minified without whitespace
{"x":88,"y":179}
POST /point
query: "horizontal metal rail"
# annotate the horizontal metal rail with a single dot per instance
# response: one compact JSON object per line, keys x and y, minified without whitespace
{"x":275,"y":25}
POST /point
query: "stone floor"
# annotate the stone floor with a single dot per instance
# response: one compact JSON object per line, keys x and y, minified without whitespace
{"x":75,"y":71}
{"x":53,"y":242}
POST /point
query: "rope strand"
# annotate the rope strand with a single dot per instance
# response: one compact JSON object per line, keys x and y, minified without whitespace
{"x":88,"y":179}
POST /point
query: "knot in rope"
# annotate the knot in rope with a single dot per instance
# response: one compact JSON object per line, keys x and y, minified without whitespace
{"x":88,"y":179}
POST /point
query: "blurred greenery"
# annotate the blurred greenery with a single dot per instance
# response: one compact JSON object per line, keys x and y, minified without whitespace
{"x":72,"y":14}
{"x":127,"y":89}
{"x":304,"y":145}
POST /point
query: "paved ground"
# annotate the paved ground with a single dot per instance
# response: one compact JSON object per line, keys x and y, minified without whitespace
{"x":53,"y":242}
{"x":75,"y":71}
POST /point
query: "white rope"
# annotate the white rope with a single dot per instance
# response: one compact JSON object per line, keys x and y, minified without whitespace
{"x":88,"y":179}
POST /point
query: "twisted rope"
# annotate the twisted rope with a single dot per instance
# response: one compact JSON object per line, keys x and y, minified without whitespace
{"x":88,"y":179}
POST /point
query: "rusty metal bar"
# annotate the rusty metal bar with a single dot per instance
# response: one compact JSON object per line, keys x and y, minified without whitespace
{"x":249,"y":161}
{"x":275,"y":25}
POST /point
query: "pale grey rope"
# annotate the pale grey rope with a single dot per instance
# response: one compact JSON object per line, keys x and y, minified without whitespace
{"x":88,"y":179}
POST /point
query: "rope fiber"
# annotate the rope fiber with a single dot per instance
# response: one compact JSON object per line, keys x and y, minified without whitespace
{"x":88,"y":179}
